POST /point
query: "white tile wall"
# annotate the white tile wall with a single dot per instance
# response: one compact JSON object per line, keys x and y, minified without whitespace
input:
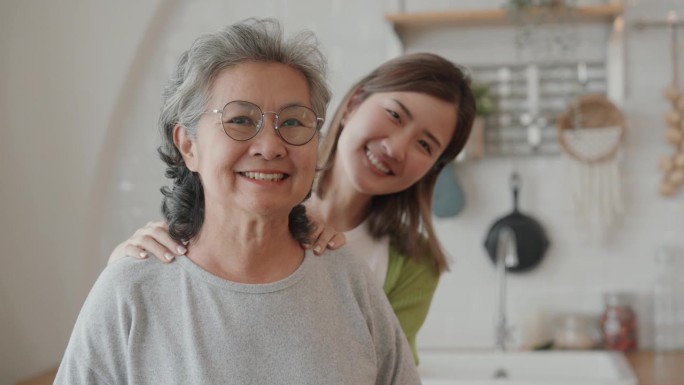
{"x":577,"y":270}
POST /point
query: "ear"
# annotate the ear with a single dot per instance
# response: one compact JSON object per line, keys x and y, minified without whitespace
{"x":353,"y":102}
{"x":186,"y":146}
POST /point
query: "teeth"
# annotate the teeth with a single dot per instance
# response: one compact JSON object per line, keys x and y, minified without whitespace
{"x":376,"y":162}
{"x":264,"y":176}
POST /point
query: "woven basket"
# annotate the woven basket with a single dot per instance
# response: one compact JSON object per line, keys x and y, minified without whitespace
{"x":595,"y":111}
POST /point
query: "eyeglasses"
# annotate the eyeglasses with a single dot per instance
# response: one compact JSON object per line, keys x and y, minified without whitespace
{"x":296,"y":125}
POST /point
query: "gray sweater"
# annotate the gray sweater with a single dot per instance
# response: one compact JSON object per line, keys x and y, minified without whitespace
{"x":149,"y":323}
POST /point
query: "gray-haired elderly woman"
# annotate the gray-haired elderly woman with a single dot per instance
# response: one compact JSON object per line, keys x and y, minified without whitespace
{"x":240,"y":126}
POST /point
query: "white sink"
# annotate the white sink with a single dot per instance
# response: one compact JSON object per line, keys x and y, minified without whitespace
{"x":453,"y":367}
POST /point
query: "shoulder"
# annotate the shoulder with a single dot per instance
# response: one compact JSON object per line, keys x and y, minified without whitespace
{"x":408,"y":264}
{"x":126,"y":278}
{"x":120,"y":289}
{"x":343,"y":264}
{"x":130,"y":270}
{"x":403,"y":271}
{"x":424,"y":257}
{"x":101,"y":333}
{"x":349,"y":274}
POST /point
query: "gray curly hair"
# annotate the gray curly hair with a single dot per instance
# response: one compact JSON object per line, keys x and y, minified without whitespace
{"x":187,"y":93}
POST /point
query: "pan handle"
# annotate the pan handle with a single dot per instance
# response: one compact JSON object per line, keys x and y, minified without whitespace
{"x":515,"y":182}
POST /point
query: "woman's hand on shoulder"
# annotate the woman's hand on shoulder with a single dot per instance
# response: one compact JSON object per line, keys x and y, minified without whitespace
{"x":153,"y":239}
{"x":323,"y":237}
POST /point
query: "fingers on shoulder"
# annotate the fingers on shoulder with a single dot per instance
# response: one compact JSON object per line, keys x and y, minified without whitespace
{"x":328,"y":238}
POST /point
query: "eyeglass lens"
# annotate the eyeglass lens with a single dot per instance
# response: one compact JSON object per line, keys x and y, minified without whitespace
{"x":296,"y":125}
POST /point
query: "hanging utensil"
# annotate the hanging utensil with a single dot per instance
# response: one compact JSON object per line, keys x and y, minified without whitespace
{"x":448,"y":199}
{"x":531,"y":240}
{"x":532,"y":122}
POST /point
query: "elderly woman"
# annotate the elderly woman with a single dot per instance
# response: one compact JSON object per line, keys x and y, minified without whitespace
{"x":240,"y":126}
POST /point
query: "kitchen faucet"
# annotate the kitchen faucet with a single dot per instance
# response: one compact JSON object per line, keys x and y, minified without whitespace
{"x":506,"y":256}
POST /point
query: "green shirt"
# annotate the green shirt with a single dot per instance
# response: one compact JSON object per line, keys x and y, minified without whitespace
{"x":409,"y":286}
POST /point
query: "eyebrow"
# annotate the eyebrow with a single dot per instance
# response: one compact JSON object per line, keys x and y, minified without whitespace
{"x":292,"y":104}
{"x":428,"y":133}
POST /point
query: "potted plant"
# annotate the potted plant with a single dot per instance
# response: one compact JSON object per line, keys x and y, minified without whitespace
{"x":484,"y":107}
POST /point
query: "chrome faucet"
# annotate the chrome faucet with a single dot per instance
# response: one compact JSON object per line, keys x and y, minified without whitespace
{"x":506,"y":256}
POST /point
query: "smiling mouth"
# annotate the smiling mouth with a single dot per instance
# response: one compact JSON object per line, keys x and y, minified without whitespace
{"x":272,"y":177}
{"x":376,"y":163}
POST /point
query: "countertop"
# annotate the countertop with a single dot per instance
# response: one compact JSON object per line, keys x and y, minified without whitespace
{"x":657,"y":368}
{"x":45,"y":378}
{"x":650,"y":368}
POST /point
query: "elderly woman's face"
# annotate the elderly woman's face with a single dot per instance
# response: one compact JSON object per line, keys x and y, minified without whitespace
{"x":263,"y":175}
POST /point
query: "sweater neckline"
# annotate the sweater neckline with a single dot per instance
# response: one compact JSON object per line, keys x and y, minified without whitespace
{"x":251,"y":288}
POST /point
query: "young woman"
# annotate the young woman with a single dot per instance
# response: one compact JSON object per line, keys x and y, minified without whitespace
{"x":382,"y":153}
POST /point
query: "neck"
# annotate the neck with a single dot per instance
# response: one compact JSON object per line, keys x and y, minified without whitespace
{"x":343,"y":207}
{"x":245,"y":248}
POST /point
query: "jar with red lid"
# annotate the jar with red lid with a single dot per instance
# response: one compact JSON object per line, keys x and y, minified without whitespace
{"x":618,"y":323}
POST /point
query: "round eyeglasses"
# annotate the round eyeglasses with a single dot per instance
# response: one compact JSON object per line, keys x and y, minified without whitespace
{"x":296,"y":125}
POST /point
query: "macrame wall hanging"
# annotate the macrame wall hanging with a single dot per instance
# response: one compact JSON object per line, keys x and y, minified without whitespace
{"x":591,"y":132}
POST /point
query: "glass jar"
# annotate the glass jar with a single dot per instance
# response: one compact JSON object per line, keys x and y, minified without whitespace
{"x":576,"y":331}
{"x":668,"y":302}
{"x":618,"y":323}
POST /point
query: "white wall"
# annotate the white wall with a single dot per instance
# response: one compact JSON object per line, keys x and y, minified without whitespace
{"x":79,"y":92}
{"x":62,"y":66}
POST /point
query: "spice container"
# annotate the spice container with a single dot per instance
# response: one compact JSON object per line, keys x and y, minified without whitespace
{"x":618,"y":323}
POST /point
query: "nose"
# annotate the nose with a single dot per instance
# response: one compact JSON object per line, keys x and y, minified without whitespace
{"x":395,"y":146}
{"x":267,"y":143}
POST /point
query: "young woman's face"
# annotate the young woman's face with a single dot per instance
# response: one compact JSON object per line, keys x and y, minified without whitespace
{"x":263,"y":174}
{"x":391,"y":140}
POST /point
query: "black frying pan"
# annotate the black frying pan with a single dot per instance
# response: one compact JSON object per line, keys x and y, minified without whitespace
{"x":530,"y":237}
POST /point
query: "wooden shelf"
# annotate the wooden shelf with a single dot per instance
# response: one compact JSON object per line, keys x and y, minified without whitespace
{"x":494,"y":16}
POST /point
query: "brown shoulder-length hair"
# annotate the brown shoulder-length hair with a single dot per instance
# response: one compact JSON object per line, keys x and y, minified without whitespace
{"x":407,"y":215}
